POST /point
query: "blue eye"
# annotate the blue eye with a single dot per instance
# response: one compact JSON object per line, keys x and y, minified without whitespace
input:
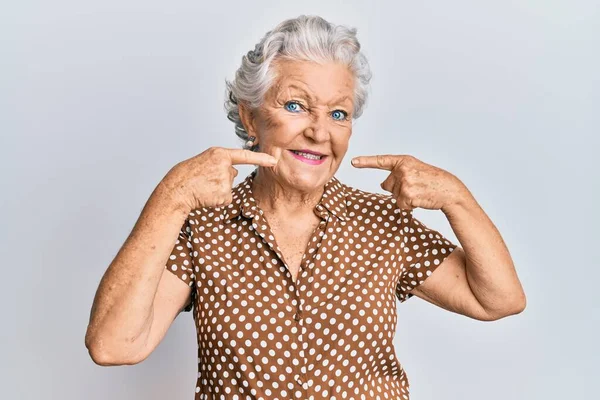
{"x":292,"y":103}
{"x":342,"y":115}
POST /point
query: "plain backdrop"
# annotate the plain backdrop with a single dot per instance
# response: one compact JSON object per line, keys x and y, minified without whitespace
{"x":99,"y":99}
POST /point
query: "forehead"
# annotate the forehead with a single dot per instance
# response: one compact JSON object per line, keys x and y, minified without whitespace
{"x":321,"y":82}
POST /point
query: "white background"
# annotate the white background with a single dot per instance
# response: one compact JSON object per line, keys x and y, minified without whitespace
{"x":99,"y":99}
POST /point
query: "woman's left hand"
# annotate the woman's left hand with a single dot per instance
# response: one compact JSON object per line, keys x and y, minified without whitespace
{"x":415,"y":183}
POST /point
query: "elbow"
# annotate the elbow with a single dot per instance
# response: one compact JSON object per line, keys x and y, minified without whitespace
{"x":109,"y":355}
{"x":97,"y":352}
{"x":517,"y":307}
{"x":100,"y":357}
{"x":520,"y":305}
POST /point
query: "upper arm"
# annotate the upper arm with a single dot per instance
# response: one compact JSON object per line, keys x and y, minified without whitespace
{"x":174,"y":292}
{"x":172,"y":296}
{"x":449,"y":288}
{"x":422,"y":251}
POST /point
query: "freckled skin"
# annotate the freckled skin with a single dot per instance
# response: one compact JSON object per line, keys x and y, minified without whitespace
{"x":320,"y":120}
{"x":313,"y":124}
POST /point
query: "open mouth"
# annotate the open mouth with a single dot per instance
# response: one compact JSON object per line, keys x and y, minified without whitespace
{"x":309,"y":156}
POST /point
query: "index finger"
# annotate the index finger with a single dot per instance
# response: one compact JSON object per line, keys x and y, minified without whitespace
{"x":386,"y":162}
{"x":242,"y":156}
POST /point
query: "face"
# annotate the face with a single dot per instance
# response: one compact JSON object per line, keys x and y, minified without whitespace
{"x":305,"y":122}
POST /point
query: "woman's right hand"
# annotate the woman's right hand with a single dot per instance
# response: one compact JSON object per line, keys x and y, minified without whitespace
{"x":206,"y":180}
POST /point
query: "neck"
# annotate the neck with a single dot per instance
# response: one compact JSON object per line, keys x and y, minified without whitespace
{"x":274,"y":197}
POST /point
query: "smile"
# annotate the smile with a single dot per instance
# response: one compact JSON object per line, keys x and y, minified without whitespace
{"x":309,"y":158}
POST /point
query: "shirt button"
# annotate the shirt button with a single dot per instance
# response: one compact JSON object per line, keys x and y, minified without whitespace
{"x":297,"y":316}
{"x":298,"y":379}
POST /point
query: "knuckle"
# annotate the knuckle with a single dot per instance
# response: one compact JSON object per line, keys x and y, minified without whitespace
{"x":402,"y":167}
{"x":222,"y":162}
{"x":217,"y":151}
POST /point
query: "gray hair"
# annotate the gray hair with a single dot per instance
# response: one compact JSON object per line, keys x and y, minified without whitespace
{"x":307,"y":38}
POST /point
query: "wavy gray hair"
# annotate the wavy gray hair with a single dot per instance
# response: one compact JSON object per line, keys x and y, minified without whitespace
{"x":308,"y":38}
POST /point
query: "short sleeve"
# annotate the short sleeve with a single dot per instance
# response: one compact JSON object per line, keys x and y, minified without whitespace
{"x":423,"y":251}
{"x":180,"y":262}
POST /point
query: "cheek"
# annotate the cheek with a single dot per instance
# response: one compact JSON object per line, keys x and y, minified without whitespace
{"x":281,"y":132}
{"x":340,"y":142}
{"x":274,"y":129}
{"x":271,"y":122}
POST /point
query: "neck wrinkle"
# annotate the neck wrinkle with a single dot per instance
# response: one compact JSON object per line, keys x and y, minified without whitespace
{"x":272,"y":197}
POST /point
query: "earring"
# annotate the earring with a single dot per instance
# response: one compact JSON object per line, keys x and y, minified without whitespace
{"x":250,"y":141}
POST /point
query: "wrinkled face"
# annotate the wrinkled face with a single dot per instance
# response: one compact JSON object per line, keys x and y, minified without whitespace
{"x":305,"y":122}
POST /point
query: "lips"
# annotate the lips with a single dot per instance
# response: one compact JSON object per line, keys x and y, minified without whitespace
{"x":308,"y":156}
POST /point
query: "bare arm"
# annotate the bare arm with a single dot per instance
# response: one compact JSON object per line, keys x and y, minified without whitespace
{"x":135,"y":302}
{"x":479,"y":281}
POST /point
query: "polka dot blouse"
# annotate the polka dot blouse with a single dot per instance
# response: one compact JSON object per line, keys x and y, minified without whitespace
{"x":329,"y":334}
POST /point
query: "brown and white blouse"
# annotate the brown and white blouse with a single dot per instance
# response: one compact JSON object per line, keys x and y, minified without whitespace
{"x":329,"y":334}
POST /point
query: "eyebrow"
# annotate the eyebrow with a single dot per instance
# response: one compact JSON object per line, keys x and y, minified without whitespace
{"x":311,"y":98}
{"x":308,"y":95}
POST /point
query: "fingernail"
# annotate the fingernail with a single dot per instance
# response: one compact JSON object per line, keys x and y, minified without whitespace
{"x":355,"y":161}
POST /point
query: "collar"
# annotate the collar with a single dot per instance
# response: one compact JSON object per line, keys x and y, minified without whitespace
{"x":243,"y":202}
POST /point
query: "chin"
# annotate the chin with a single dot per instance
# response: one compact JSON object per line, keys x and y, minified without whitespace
{"x":306,"y":180}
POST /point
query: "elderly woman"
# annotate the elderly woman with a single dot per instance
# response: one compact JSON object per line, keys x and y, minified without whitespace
{"x":293,"y":276}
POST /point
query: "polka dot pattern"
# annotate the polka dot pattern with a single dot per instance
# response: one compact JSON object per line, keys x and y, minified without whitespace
{"x":327,"y":335}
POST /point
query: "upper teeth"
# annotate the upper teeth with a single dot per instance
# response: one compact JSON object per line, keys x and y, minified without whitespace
{"x":308,"y":155}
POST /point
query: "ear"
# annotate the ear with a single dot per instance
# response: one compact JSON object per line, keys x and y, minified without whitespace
{"x":247,"y":118}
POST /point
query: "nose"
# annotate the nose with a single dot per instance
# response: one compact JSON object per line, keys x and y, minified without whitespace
{"x":317,"y":130}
